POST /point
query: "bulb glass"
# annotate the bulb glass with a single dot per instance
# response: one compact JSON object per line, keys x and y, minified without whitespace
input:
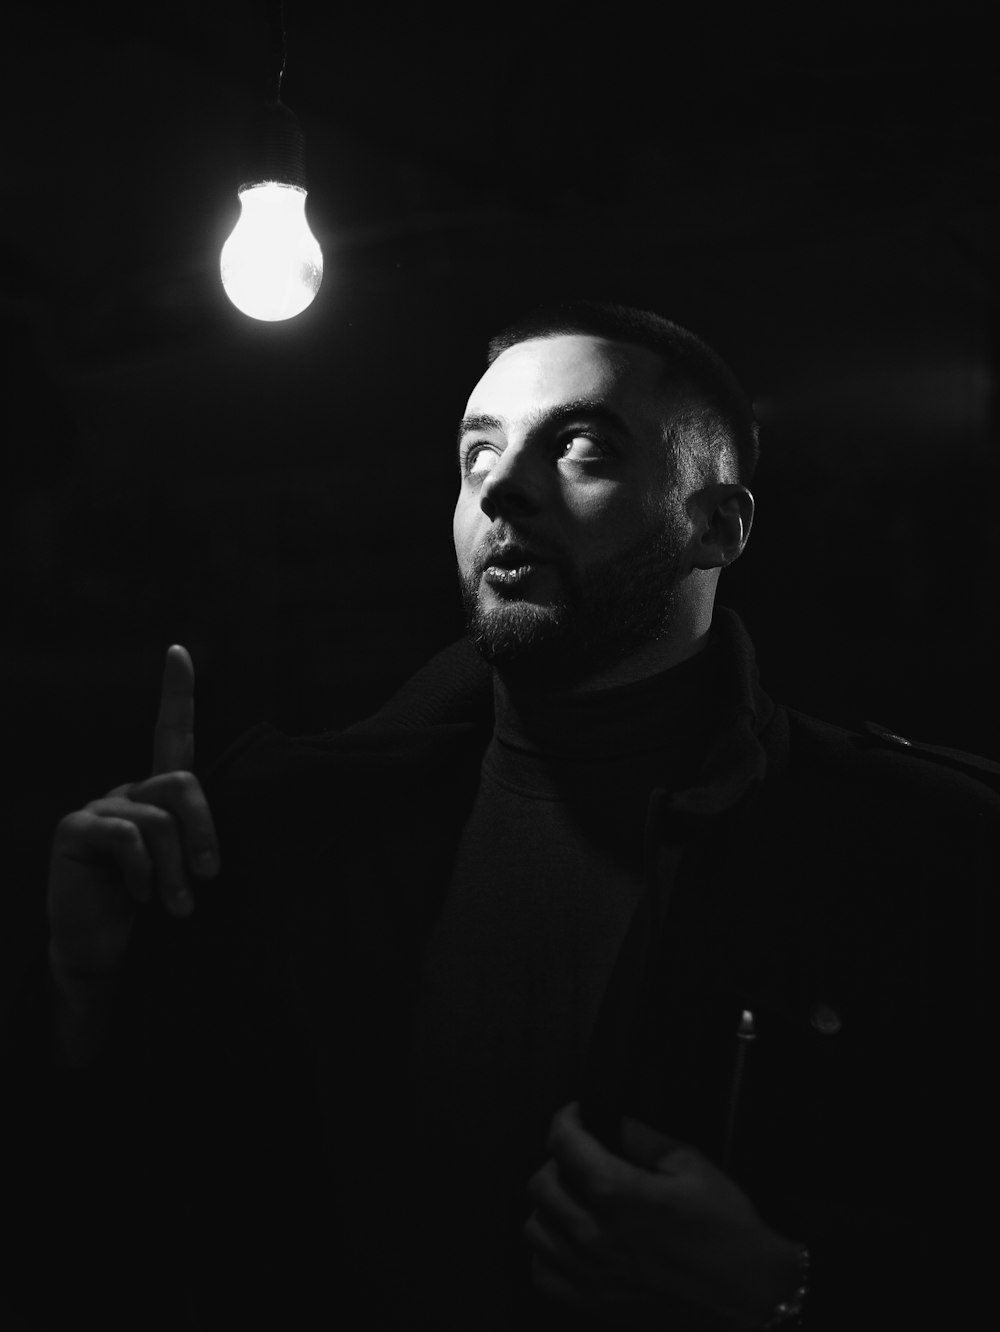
{"x":271,"y":264}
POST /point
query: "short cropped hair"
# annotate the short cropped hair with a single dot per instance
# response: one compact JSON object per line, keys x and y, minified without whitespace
{"x":687,"y":360}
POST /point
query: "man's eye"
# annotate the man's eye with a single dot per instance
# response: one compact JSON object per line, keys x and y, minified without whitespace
{"x":479,"y":459}
{"x":583,"y":448}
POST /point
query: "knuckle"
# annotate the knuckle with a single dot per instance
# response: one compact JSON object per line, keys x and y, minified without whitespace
{"x":175,"y":786}
{"x":73,"y":823}
{"x":71,"y":830}
{"x":105,"y":806}
{"x":127,"y":833}
{"x":687,"y":1160}
{"x":158,"y":823}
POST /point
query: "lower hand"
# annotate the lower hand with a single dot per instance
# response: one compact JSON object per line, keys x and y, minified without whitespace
{"x":653,"y":1235}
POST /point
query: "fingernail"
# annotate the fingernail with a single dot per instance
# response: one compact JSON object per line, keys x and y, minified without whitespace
{"x":184,"y":903}
{"x":205,"y":864}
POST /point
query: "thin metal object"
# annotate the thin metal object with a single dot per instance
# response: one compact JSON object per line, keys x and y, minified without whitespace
{"x":746,"y":1032}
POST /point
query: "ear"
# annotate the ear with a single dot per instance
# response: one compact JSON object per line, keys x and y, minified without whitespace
{"x":722,"y":517}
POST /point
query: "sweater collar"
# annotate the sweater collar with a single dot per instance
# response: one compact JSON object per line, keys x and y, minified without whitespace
{"x":449,"y":703}
{"x":670,"y":708}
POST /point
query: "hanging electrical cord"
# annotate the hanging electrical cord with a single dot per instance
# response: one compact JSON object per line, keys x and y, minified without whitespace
{"x":277,"y":48}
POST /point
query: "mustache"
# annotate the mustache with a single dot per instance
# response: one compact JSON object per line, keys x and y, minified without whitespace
{"x":504,"y":546}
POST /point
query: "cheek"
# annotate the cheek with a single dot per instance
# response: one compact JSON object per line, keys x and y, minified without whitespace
{"x":594,"y":509}
{"x":606,"y":527}
{"x":463,"y":531}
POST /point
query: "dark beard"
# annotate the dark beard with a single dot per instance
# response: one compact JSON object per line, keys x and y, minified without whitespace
{"x":618,"y":608}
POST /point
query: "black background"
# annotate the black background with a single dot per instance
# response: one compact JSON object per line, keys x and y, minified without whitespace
{"x":813,"y":189}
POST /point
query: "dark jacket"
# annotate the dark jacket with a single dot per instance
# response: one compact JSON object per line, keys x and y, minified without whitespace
{"x":831,"y":881}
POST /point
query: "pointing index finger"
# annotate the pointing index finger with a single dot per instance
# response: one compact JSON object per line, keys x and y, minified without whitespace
{"x":173,"y":739}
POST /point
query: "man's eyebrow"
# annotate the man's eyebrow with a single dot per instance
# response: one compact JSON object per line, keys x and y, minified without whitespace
{"x":591,"y":408}
{"x":469,"y":424}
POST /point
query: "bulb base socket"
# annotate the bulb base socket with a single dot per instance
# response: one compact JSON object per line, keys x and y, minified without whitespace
{"x":274,"y":148}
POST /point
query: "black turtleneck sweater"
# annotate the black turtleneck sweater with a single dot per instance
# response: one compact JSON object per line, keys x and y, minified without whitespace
{"x":548,"y":872}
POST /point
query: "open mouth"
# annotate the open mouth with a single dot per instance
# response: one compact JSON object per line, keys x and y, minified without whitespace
{"x":501,"y":575}
{"x":508,"y":565}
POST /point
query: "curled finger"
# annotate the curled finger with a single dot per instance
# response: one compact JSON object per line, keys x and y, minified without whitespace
{"x":565,"y":1215}
{"x":182,"y":795}
{"x":89,"y":834}
{"x":553,"y":1273}
{"x":161,"y":839}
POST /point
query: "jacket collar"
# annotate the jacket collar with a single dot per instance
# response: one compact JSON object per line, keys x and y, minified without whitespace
{"x":745,"y":746}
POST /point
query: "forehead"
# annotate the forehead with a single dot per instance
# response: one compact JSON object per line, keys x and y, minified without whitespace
{"x":542,"y":374}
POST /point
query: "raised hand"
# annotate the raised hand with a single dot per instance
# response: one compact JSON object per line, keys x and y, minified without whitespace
{"x":143,"y":841}
{"x":657,"y":1237}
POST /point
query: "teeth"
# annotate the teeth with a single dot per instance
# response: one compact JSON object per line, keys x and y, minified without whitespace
{"x":506,"y":575}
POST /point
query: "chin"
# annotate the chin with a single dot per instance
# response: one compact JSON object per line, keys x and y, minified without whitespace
{"x":513,"y":631}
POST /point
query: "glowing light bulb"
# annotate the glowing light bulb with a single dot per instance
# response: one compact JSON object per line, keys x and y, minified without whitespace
{"x":271,"y":264}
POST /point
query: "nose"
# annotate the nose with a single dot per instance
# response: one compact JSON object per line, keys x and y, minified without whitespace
{"x":513,"y":489}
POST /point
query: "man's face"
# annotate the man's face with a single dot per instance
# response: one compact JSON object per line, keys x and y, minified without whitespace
{"x":569,"y":529}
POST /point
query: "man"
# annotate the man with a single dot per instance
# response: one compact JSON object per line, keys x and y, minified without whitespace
{"x":623,"y":996}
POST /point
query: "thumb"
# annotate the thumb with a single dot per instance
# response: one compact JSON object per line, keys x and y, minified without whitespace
{"x":648,"y":1147}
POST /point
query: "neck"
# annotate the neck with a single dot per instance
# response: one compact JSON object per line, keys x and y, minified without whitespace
{"x":689,"y":635}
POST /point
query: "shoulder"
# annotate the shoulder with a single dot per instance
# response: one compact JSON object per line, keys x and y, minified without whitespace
{"x":881,"y":823}
{"x":946,"y":759}
{"x":444,"y":709}
{"x":875,"y":759}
